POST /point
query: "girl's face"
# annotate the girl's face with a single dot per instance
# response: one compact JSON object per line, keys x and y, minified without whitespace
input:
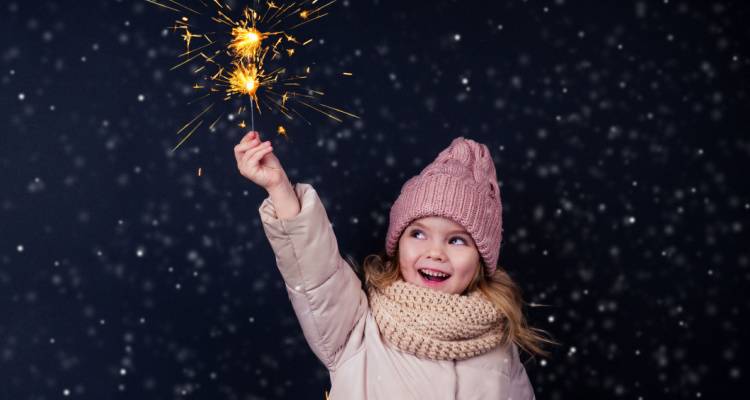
{"x":437,"y":253}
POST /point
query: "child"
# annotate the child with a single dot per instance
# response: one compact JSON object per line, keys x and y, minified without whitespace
{"x":439,"y":320}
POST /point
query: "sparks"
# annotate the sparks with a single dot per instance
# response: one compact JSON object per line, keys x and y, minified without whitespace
{"x":244,"y":80}
{"x":246,"y":42}
{"x":248,"y":57}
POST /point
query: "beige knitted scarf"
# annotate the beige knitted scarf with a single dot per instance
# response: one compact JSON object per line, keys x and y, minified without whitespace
{"x":435,"y":325}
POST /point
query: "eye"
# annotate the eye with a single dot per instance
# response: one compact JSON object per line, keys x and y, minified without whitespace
{"x":415,"y":232}
{"x":459,"y":238}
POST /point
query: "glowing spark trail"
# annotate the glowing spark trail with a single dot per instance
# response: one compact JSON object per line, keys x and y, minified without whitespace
{"x":229,"y":57}
{"x":246,"y":42}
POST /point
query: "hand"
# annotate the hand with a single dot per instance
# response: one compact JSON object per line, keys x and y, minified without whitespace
{"x":256,"y":162}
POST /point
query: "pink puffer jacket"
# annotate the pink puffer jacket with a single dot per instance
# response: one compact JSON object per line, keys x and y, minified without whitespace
{"x":336,"y":321}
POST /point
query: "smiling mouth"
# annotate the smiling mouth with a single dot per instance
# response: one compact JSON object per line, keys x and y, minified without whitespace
{"x":431,"y":275}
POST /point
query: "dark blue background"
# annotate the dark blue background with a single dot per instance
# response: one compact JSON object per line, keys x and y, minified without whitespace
{"x":619,"y":131}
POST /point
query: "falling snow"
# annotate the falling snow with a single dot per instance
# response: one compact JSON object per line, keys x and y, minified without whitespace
{"x":619,"y":134}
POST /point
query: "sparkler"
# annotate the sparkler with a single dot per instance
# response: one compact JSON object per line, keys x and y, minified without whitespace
{"x":232,"y":58}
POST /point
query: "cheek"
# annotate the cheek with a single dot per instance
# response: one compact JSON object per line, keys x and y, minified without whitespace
{"x":467,"y":274}
{"x":405,"y":261}
{"x":408,"y":273}
{"x":405,"y":252}
{"x":467,"y":269}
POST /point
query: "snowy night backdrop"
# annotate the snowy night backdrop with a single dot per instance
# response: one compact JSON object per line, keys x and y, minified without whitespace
{"x":620,"y":136}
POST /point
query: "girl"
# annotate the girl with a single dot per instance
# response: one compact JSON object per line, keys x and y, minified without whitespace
{"x":438,"y":319}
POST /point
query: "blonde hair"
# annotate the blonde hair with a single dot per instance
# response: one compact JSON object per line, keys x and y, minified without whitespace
{"x":380,"y":270}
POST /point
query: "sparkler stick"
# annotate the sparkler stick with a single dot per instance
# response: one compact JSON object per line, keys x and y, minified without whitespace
{"x":252,"y":116}
{"x":233,"y":53}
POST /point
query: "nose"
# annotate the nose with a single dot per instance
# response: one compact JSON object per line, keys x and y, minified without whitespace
{"x":436,"y":252}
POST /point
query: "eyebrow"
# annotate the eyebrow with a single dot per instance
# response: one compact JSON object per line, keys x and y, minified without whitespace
{"x":453,"y":231}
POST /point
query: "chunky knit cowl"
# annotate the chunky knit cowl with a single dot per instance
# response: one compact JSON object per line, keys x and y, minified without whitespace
{"x":436,"y":325}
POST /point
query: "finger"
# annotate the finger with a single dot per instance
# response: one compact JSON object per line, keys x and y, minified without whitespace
{"x":249,"y":153}
{"x":252,"y":162}
{"x":257,"y":156}
{"x":248,"y":137}
{"x":249,"y":158}
{"x":241,"y":148}
{"x":237,"y":153}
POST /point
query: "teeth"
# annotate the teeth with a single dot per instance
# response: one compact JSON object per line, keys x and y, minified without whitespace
{"x":434,"y":273}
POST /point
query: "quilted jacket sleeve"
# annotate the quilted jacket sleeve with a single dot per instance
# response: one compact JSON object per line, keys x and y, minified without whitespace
{"x":325,"y":293}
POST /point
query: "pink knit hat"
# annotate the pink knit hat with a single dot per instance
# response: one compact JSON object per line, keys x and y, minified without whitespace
{"x":461,"y":184}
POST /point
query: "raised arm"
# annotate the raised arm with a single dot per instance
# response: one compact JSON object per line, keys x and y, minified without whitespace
{"x":326,"y":294}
